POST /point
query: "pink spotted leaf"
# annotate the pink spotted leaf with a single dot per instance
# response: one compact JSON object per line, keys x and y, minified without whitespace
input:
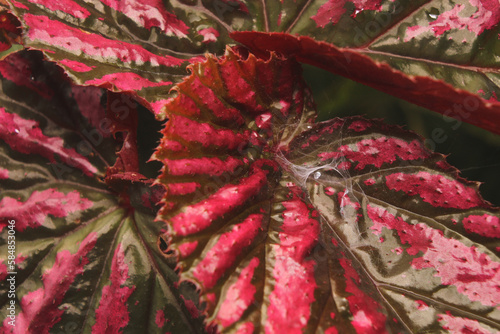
{"x":342,"y":226}
{"x":86,"y":254}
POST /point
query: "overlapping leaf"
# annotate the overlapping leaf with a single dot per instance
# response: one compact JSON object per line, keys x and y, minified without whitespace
{"x":86,"y":255}
{"x":418,"y":50}
{"x":344,"y":226}
{"x":439,"y":55}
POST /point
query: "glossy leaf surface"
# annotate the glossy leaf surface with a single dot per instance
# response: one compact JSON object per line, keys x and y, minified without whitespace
{"x":343,"y":226}
{"x":86,"y":255}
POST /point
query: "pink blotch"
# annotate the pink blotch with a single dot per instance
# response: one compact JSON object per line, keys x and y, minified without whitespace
{"x":41,"y":308}
{"x":25,"y":136}
{"x":485,"y":225}
{"x":240,"y":90}
{"x":175,"y":189}
{"x":187,"y":248}
{"x":19,"y":5}
{"x":125,"y":81}
{"x":207,"y":98}
{"x":199,"y":216}
{"x":39,"y":205}
{"x":3,"y":271}
{"x":421,"y":305}
{"x":209,"y":35}
{"x":191,"y":307}
{"x":210,"y":299}
{"x":172,"y":145}
{"x":345,"y":200}
{"x":369,"y":182}
{"x":473,"y":273}
{"x":66,"y":6}
{"x":360,"y":125}
{"x":224,"y":253}
{"x":239,"y":296}
{"x":208,"y":166}
{"x":344,"y":165}
{"x":461,"y":325}
{"x":333,"y":10}
{"x":493,"y":97}
{"x":205,"y":134}
{"x":397,"y":250}
{"x":436,"y":190}
{"x":158,"y":107}
{"x":145,"y":200}
{"x":367,"y":316}
{"x":443,"y":165}
{"x":4,"y":173}
{"x":290,"y":301}
{"x":76,"y":66}
{"x":329,"y":191}
{"x":264,"y":121}
{"x":112,"y":313}
{"x":19,"y":259}
{"x":331,"y":330}
{"x":61,"y":35}
{"x":150,"y":13}
{"x":160,"y":318}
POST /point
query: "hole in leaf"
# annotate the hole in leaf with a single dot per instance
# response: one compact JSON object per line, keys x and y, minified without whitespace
{"x":163,"y":246}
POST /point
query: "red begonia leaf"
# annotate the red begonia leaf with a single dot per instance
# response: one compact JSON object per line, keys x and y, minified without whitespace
{"x":343,"y":226}
{"x":86,"y":255}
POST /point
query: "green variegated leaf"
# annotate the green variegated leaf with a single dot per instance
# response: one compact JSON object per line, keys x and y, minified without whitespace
{"x":342,"y":226}
{"x":76,"y":254}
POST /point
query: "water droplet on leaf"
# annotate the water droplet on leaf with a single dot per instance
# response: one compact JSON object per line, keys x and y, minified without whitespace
{"x":433,"y":13}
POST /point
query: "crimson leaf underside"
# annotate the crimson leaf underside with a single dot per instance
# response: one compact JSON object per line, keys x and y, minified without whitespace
{"x":344,"y":226}
{"x":86,"y":254}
